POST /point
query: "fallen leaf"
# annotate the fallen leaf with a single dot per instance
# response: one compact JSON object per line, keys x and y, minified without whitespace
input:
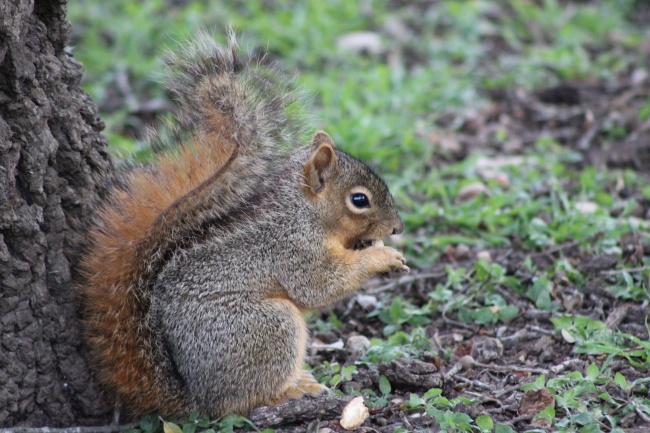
{"x":535,"y":400}
{"x":586,"y":207}
{"x":354,"y":414}
{"x":170,"y":427}
{"x":338,"y":344}
{"x":568,"y":337}
{"x":472,"y":190}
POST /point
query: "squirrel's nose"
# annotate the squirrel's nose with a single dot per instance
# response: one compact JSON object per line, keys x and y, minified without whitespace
{"x":399,"y":228}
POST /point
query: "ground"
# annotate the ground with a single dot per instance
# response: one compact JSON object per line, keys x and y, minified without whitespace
{"x":515,"y":136}
{"x":527,"y":347}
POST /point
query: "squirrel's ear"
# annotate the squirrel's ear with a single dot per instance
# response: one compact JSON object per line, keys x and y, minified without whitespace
{"x":319,"y":138}
{"x":319,"y":167}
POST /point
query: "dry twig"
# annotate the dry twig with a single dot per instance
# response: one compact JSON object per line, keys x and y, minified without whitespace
{"x":628,"y":270}
{"x":406,"y":279}
{"x":476,"y":383}
{"x":301,"y":410}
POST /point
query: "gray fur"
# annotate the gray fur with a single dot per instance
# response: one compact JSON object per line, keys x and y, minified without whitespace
{"x":240,"y":345}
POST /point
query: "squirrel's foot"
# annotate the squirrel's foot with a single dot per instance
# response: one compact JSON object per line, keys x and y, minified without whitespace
{"x":309,"y":385}
{"x":386,"y":259}
{"x":306,"y":384}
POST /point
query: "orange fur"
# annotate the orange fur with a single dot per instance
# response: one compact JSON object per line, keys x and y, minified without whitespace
{"x":113,"y":297}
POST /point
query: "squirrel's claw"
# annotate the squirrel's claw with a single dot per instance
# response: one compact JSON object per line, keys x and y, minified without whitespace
{"x":386,"y":260}
{"x":403,"y":270}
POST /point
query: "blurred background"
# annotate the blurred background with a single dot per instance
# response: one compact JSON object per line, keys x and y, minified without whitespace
{"x":472,"y":110}
{"x":408,"y":86}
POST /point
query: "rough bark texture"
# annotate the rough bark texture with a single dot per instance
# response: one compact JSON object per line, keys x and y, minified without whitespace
{"x":303,"y":410}
{"x":53,"y":163}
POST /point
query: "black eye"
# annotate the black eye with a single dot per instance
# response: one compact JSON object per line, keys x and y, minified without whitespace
{"x":360,"y":200}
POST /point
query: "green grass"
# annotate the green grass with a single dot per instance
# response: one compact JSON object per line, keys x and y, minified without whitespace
{"x":586,"y":399}
{"x":384,"y":108}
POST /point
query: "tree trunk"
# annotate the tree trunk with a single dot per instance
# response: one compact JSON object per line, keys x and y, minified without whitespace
{"x":53,"y":170}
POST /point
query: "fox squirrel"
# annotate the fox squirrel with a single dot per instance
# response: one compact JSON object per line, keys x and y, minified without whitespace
{"x":201,"y":266}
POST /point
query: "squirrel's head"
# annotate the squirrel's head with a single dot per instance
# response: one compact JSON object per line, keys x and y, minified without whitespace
{"x":351,"y":200}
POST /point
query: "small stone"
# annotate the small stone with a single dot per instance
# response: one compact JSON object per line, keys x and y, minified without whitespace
{"x":484,"y":255}
{"x":502,"y":180}
{"x":357,"y":345}
{"x":367,"y":301}
{"x":360,"y":42}
{"x":472,"y":190}
{"x":467,"y":362}
{"x":488,"y":349}
{"x":461,"y":252}
{"x":639,"y":76}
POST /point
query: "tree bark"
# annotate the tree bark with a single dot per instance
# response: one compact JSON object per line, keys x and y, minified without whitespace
{"x":54,"y":167}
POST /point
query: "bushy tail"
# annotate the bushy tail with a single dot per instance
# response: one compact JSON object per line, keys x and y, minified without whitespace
{"x":220,"y":92}
{"x":237,"y":127}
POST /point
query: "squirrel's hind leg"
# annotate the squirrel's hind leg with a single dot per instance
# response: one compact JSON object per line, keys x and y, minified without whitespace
{"x":301,"y":382}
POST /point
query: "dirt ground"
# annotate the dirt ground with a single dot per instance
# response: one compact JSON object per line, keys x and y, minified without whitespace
{"x":515,"y":353}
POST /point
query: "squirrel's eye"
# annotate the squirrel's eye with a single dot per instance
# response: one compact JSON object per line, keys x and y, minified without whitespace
{"x":360,"y":200}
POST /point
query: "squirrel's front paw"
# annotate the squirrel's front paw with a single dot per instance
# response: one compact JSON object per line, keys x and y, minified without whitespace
{"x":387,"y":259}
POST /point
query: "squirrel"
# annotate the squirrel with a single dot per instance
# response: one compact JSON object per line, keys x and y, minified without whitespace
{"x":200,"y":266}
